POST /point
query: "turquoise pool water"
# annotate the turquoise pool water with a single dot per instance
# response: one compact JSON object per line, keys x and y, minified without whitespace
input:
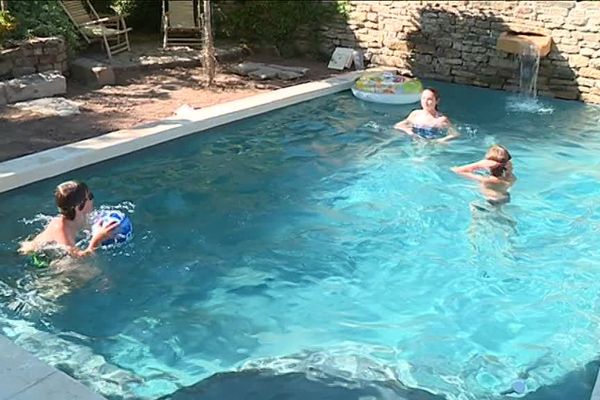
{"x":316,"y":240}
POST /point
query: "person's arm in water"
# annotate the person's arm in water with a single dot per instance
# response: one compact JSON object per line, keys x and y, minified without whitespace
{"x":406,"y":124}
{"x":96,"y":241}
{"x":452,"y":133}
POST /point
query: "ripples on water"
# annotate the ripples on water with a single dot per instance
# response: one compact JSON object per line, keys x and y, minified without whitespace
{"x":316,"y":238}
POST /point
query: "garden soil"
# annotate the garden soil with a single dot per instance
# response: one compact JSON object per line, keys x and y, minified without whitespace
{"x":145,"y":97}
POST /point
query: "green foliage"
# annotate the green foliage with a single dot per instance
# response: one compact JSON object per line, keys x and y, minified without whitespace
{"x":7,"y":25}
{"x":43,"y":18}
{"x":279,"y":23}
{"x":142,"y":15}
{"x":343,"y":7}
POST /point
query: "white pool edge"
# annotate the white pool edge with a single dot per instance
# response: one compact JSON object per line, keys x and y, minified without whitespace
{"x":49,"y":163}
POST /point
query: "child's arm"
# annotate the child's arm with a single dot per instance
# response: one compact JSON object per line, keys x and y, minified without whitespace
{"x":452,"y":134}
{"x":406,"y":125}
{"x":95,"y":241}
{"x":476,"y":166}
{"x":472,"y":176}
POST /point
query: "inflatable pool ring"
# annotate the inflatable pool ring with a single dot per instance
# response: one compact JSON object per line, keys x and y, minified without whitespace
{"x":123,"y":233}
{"x":387,"y":88}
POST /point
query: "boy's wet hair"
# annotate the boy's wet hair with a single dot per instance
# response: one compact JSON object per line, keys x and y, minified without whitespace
{"x":501,"y":155}
{"x":69,"y":195}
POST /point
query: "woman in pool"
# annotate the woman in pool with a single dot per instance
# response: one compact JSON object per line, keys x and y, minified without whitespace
{"x":75,"y":202}
{"x":428,"y":123}
{"x":497,"y":163}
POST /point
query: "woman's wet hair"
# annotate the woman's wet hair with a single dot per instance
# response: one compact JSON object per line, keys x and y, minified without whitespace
{"x":501,"y":155}
{"x":69,"y":195}
{"x":436,"y":94}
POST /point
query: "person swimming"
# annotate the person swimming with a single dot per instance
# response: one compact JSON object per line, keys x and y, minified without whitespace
{"x":428,"y":123}
{"x":494,"y":186}
{"x":58,"y":239}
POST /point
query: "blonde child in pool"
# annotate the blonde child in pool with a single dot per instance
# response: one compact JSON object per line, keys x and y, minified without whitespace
{"x":496,"y":184}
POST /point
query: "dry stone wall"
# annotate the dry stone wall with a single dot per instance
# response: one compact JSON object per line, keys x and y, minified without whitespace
{"x":34,"y":55}
{"x":455,"y":41}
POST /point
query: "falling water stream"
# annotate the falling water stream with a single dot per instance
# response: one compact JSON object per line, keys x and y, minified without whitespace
{"x":529,"y":62}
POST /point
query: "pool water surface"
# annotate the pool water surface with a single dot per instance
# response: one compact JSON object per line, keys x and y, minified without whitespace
{"x":316,"y":238}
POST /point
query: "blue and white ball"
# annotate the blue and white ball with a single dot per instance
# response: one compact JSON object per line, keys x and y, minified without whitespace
{"x":122,"y":234}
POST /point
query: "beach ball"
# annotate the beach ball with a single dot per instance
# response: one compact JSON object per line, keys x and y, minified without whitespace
{"x":123,"y":232}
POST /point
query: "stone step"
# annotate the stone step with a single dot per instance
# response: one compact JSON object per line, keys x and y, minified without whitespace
{"x":34,"y":86}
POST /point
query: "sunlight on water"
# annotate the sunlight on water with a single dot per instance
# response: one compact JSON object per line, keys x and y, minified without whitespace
{"x":317,"y":240}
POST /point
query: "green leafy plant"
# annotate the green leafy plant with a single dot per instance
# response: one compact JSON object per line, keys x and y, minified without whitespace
{"x":278,"y":23}
{"x":43,"y":18}
{"x":142,"y":15}
{"x":7,"y":25}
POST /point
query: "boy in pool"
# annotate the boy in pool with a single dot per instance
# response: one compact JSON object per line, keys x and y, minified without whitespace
{"x":75,"y":202}
{"x":497,"y":163}
{"x":428,"y":123}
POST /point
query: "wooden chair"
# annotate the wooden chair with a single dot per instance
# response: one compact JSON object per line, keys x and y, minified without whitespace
{"x":181,"y":23}
{"x":111,"y":30}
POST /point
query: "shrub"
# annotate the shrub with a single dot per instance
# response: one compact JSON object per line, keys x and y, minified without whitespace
{"x":7,"y":25}
{"x":276,"y":22}
{"x":43,"y":18}
{"x":142,"y":15}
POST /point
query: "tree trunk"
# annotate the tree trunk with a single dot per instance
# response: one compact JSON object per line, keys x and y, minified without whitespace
{"x":4,"y":5}
{"x":209,"y":61}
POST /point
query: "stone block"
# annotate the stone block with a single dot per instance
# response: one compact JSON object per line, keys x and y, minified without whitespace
{"x":578,"y":61}
{"x":45,"y":67}
{"x":3,"y":99}
{"x":92,"y":72}
{"x":591,"y":98}
{"x":51,"y":50}
{"x":589,"y":73}
{"x":46,"y":59}
{"x":567,"y":48}
{"x":35,"y":86}
{"x":24,"y":62}
{"x":6,"y":67}
{"x":21,"y":71}
{"x":585,"y":51}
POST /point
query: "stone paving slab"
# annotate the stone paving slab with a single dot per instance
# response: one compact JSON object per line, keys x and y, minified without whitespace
{"x":260,"y":71}
{"x":24,"y":377}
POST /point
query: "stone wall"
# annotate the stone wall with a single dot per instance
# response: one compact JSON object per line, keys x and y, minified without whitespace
{"x":455,"y":41}
{"x":34,"y":55}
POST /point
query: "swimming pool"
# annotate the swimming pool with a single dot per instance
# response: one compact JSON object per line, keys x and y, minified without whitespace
{"x":314,"y":239}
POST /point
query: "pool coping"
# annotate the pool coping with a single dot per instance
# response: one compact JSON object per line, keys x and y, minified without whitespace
{"x":49,"y":163}
{"x":25,"y":377}
{"x":596,"y":390}
{"x":22,"y":375}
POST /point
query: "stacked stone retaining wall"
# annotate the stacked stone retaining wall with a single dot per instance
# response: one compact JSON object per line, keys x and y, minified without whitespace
{"x":455,"y":41}
{"x":34,"y":55}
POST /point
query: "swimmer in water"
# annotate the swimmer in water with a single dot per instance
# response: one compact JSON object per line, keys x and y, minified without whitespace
{"x":75,"y":202}
{"x":496,"y":183}
{"x":428,"y":123}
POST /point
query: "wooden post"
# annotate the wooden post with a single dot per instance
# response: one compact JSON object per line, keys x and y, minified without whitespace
{"x":209,"y":60}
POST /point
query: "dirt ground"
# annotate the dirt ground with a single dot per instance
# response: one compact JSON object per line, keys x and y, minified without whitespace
{"x":145,"y":97}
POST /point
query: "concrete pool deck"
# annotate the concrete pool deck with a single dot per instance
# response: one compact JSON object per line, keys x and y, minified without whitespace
{"x":24,"y":377}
